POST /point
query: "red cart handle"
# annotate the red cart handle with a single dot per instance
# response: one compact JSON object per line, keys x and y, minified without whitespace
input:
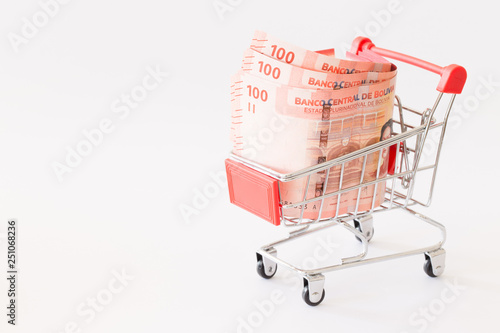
{"x":453,"y":77}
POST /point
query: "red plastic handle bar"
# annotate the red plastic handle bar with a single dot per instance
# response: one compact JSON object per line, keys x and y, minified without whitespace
{"x":453,"y":77}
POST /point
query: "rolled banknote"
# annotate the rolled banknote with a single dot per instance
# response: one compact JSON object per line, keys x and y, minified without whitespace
{"x":372,"y":56}
{"x":297,"y":56}
{"x":288,"y":128}
{"x":266,"y":67}
{"x":381,"y":64}
{"x":282,"y":73}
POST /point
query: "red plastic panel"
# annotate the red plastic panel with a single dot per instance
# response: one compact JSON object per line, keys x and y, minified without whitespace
{"x":253,"y":191}
{"x":392,"y":159}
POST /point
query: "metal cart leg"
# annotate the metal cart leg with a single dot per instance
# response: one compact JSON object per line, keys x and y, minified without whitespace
{"x":364,"y":225}
{"x":314,"y":291}
{"x":435,"y":262}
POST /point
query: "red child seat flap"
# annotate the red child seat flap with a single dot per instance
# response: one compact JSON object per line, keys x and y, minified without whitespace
{"x":253,"y":191}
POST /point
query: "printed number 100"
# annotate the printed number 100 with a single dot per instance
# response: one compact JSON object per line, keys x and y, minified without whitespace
{"x":269,"y":70}
{"x":257,"y":93}
{"x":280,"y":53}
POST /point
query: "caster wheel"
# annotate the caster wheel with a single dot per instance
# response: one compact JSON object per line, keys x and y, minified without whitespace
{"x":265,"y":272}
{"x":435,"y":262}
{"x":368,"y":233}
{"x":428,"y":268}
{"x":307,"y":299}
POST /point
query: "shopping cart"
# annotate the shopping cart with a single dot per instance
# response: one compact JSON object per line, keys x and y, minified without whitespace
{"x":257,"y":188}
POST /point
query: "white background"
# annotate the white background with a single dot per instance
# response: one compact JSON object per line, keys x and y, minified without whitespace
{"x":119,"y":209}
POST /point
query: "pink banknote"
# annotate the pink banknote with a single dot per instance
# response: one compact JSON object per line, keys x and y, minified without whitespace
{"x":297,"y":56}
{"x":288,"y":128}
{"x":273,"y":70}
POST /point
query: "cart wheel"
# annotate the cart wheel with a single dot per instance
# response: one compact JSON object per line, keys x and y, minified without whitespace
{"x":428,"y":268}
{"x":307,"y":299}
{"x":266,"y":272}
{"x":435,"y":262}
{"x":368,"y":225}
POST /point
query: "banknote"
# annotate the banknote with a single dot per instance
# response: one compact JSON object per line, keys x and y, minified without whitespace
{"x":266,"y":67}
{"x":355,"y":57}
{"x":297,"y":56}
{"x":380,"y":63}
{"x":372,"y":56}
{"x":289,"y":128}
{"x":308,"y":103}
{"x":273,"y":70}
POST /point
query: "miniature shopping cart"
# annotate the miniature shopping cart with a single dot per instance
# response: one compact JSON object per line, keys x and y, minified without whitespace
{"x":257,"y":188}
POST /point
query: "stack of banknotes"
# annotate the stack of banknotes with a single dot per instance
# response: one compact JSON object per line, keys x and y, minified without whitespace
{"x":293,"y":108}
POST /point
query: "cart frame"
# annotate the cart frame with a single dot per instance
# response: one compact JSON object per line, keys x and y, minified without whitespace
{"x":408,"y":142}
